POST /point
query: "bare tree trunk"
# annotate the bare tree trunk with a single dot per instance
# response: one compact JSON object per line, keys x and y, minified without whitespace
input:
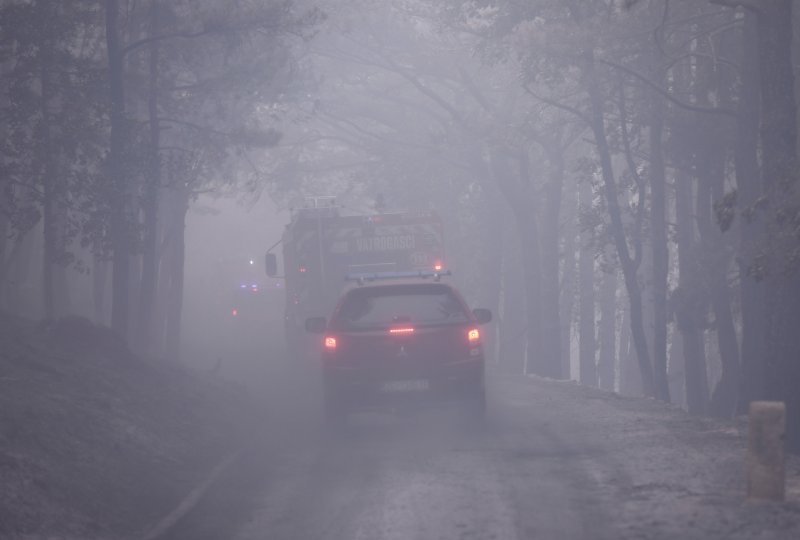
{"x":491,"y":277}
{"x":688,"y":302}
{"x":19,"y":270}
{"x":658,"y":240}
{"x":658,"y":220}
{"x":176,"y":275}
{"x":607,"y":331}
{"x":150,"y":204}
{"x":724,"y":397}
{"x":712,"y":79}
{"x":541,"y":356}
{"x":534,"y":363}
{"x":677,"y":370}
{"x":752,"y":385}
{"x":618,"y":232}
{"x":568,"y":296}
{"x":586,"y":323}
{"x":488,"y":267}
{"x":3,"y":256}
{"x":99,"y":280}
{"x":779,"y":174}
{"x":134,"y":288}
{"x":165,"y":262}
{"x":120,"y":279}
{"x":48,"y":160}
{"x":512,"y":337}
{"x":551,"y":321}
{"x":516,"y":191}
{"x":491,"y":267}
{"x":61,"y":289}
{"x":6,"y":198}
{"x":630,"y":381}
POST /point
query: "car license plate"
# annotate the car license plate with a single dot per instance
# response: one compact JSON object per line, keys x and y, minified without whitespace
{"x":405,"y":386}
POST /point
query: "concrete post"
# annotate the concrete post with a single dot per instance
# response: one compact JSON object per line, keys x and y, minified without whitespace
{"x":765,"y":453}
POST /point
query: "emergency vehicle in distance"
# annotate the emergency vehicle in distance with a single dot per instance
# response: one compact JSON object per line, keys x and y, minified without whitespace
{"x":321,"y":246}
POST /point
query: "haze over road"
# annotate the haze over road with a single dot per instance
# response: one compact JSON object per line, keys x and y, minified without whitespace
{"x":552,"y":461}
{"x":435,"y":476}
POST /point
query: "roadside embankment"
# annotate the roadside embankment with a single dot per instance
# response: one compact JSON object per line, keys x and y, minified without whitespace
{"x":98,"y":443}
{"x":669,"y":474}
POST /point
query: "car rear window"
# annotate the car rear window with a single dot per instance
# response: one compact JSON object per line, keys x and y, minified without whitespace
{"x":379,"y":307}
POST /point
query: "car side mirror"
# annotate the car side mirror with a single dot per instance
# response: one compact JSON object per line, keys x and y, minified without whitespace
{"x":482,"y":316}
{"x":271,"y":264}
{"x":316,"y":325}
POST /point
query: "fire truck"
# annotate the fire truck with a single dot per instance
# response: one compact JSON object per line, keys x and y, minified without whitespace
{"x":322,"y":245}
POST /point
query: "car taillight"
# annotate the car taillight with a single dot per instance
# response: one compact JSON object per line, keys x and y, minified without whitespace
{"x":474,"y":336}
{"x":402,"y":330}
{"x":234,"y":312}
{"x":330,"y":343}
{"x":438,"y":266}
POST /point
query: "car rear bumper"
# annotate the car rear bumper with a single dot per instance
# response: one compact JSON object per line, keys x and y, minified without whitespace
{"x":354,"y":389}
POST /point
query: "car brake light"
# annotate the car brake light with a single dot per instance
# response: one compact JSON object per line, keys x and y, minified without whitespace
{"x":330,"y":343}
{"x":438,"y":266}
{"x":402,"y":330}
{"x":473,"y":335}
{"x":302,"y":269}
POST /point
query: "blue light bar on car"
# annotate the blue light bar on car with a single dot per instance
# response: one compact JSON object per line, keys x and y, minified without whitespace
{"x":375,"y":276}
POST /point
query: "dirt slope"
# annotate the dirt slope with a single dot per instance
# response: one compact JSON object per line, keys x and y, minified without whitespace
{"x":96,"y":443}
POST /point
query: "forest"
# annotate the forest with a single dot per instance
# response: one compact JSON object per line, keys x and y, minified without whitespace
{"x":618,"y":178}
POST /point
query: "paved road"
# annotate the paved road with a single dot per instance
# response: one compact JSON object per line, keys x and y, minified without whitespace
{"x":430,"y":475}
{"x":552,"y":461}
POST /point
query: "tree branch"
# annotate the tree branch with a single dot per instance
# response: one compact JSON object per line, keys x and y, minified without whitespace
{"x":194,"y":126}
{"x":752,"y":5}
{"x":637,"y":178}
{"x":559,"y":105}
{"x":470,"y":85}
{"x":183,"y":35}
{"x":688,"y":106}
{"x":425,"y":90}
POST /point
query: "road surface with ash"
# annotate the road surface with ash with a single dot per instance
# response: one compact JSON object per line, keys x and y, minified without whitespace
{"x":552,"y":461}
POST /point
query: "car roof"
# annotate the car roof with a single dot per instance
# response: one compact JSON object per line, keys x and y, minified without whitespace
{"x":383,"y":283}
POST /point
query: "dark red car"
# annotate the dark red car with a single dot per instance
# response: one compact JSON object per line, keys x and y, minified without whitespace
{"x":391,"y":343}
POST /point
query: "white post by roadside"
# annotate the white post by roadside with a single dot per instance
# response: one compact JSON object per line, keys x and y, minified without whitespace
{"x":766,"y":476}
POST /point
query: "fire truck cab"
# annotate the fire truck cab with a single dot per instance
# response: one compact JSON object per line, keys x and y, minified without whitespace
{"x":321,"y":246}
